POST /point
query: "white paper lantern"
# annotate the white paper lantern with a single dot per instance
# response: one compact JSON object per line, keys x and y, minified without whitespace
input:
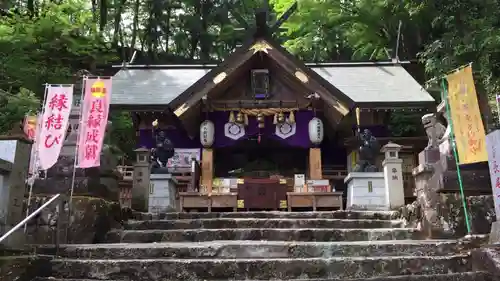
{"x":316,"y":131}
{"x":207,"y":133}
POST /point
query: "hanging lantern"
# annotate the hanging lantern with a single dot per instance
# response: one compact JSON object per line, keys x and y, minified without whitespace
{"x":316,"y":132}
{"x":207,"y":133}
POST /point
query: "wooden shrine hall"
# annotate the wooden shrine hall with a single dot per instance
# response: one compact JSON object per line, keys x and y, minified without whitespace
{"x":269,"y":131}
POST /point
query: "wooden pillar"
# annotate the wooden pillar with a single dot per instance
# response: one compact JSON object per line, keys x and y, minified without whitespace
{"x":315,"y":170}
{"x":207,"y":168}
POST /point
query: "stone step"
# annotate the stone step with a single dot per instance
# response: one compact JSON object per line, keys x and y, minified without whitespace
{"x":270,"y":234}
{"x":263,"y":249}
{"x":218,"y":223}
{"x":343,"y":214}
{"x":264,"y":269}
{"x":464,"y":276}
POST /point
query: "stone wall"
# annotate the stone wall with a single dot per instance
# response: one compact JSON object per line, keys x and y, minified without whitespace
{"x":449,"y":213}
{"x":91,"y":219}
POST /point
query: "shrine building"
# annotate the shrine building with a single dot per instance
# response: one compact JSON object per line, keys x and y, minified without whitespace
{"x":263,"y":117}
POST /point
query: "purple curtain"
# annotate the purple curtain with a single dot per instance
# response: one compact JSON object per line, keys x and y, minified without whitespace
{"x":299,"y":139}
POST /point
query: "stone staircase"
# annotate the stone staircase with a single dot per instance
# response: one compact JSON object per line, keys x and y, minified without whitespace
{"x":318,"y":246}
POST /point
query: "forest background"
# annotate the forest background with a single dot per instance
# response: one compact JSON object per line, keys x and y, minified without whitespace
{"x":53,"y":41}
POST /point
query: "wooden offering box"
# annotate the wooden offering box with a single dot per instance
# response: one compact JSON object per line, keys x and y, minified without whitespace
{"x":196,"y":200}
{"x":314,"y":200}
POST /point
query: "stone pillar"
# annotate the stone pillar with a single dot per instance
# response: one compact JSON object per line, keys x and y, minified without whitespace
{"x":141,"y":180}
{"x":315,"y":170}
{"x":393,"y":175}
{"x":15,"y":154}
{"x":207,"y":169}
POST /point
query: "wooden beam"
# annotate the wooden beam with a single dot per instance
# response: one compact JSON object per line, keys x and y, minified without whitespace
{"x":311,"y":84}
{"x":224,"y":74}
{"x":315,"y":170}
{"x":207,"y":169}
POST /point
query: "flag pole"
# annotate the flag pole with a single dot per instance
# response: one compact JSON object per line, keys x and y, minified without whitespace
{"x":35,"y":171}
{"x":455,"y":153}
{"x":498,"y":107}
{"x":73,"y":177}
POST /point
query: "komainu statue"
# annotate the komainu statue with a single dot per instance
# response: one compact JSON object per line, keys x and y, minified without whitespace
{"x":368,"y":151}
{"x":163,"y":151}
{"x":434,"y":130}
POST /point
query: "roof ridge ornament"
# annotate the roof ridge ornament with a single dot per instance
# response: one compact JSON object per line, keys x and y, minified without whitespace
{"x":260,"y":46}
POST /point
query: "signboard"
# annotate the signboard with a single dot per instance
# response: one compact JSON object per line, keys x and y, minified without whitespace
{"x":182,"y":158}
{"x":493,"y":148}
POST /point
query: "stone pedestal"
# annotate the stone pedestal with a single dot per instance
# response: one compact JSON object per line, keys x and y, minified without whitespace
{"x":366,"y":191}
{"x":162,"y":193}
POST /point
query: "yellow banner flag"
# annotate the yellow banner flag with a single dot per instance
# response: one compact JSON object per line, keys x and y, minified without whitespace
{"x":466,"y":117}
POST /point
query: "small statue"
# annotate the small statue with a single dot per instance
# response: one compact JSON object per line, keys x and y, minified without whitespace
{"x":163,"y":151}
{"x":434,"y":130}
{"x":368,"y":152}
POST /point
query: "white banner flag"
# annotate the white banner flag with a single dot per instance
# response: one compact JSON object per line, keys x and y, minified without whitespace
{"x":54,"y":124}
{"x":493,"y":148}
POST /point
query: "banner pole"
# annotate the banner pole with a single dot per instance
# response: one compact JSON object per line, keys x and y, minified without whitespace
{"x":35,"y":157}
{"x":498,"y":107}
{"x":73,"y":177}
{"x":455,"y":153}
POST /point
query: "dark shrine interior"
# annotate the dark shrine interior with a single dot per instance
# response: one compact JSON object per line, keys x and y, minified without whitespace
{"x":251,"y":158}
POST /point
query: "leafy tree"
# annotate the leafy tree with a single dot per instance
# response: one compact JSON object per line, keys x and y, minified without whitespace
{"x":15,"y":107}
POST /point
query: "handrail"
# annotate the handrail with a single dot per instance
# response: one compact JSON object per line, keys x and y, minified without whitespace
{"x":23,"y":222}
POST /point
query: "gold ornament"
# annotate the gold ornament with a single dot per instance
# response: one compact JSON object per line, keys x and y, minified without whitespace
{"x":260,"y":46}
{"x":291,"y":118}
{"x":231,"y":117}
{"x":260,"y":120}
{"x":281,"y":117}
{"x":239,"y":118}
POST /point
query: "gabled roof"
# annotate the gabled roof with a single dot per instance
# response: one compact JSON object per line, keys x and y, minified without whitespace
{"x":152,"y":86}
{"x":344,"y":85}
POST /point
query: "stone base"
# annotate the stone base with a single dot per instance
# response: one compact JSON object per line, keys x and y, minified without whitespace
{"x":366,"y":191}
{"x":429,"y":156}
{"x":161,"y":196}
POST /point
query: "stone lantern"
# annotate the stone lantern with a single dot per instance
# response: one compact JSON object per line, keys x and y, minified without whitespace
{"x":393,"y":175}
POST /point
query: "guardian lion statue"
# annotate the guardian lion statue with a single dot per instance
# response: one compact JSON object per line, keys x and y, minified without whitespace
{"x":434,"y":130}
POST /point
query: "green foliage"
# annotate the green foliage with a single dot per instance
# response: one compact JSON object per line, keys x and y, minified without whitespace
{"x":15,"y":107}
{"x":49,"y":41}
{"x":122,"y":135}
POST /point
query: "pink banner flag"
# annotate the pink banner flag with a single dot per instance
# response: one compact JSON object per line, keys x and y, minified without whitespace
{"x":94,"y":118}
{"x":54,"y":123}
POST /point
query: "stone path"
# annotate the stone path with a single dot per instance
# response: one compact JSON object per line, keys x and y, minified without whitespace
{"x":309,"y":246}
